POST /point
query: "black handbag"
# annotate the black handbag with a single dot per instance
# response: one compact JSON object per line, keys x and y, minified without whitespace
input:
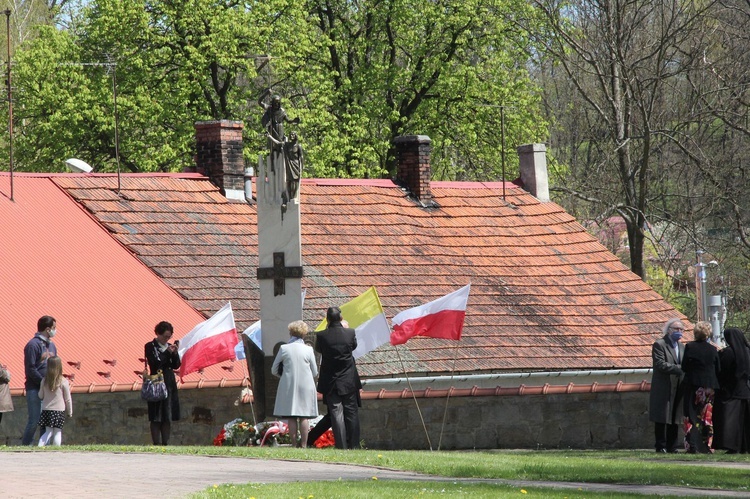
{"x":153,"y":388}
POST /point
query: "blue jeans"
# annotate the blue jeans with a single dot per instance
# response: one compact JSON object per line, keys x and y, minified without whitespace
{"x":34,"y":405}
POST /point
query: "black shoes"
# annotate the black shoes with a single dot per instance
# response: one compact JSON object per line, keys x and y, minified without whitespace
{"x":661,"y":451}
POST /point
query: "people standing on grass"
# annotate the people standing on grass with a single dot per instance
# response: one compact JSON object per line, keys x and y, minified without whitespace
{"x":161,"y":355}
{"x":54,"y":394}
{"x":665,"y":408}
{"x":701,"y":367}
{"x":35,"y":355}
{"x":296,"y":398}
{"x":732,"y":408}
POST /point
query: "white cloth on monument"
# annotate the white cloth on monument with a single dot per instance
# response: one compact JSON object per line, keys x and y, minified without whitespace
{"x":297,"y":395}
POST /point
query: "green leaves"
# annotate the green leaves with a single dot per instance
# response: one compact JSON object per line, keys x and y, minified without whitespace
{"x":358,"y":74}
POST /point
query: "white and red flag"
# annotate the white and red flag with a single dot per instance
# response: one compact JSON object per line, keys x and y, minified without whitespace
{"x":441,"y":318}
{"x":210,"y":342}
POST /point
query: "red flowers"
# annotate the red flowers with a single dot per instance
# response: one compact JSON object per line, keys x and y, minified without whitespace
{"x":325,"y":440}
{"x":220,"y":438}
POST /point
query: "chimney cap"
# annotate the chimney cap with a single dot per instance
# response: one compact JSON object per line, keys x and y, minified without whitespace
{"x":408,"y":139}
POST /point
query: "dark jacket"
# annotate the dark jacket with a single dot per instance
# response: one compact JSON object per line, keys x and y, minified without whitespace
{"x":164,"y":361}
{"x":701,"y":365}
{"x":35,"y":367}
{"x":666,"y":392}
{"x":338,"y":371}
{"x":735,"y":366}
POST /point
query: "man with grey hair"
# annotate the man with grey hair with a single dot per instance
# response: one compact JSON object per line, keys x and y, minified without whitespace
{"x":665,"y":399}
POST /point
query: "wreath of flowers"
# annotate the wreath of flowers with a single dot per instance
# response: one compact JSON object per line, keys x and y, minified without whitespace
{"x":239,"y":432}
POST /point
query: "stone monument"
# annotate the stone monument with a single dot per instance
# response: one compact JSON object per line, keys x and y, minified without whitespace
{"x":279,"y":238}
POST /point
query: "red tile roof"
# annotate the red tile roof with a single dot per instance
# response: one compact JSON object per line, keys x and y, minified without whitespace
{"x":545,"y":294}
{"x":57,"y":260}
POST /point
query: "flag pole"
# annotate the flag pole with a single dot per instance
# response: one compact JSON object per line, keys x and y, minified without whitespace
{"x":448,"y":396}
{"x":415,"y":398}
{"x":247,"y":383}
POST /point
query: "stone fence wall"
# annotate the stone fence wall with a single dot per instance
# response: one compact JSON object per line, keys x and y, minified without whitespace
{"x":578,"y":421}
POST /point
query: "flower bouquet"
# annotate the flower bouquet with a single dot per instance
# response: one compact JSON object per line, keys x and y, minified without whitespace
{"x":237,"y":432}
{"x":325,"y":440}
{"x":271,"y":433}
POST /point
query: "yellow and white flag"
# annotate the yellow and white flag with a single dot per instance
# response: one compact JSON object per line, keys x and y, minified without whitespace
{"x":365,"y":314}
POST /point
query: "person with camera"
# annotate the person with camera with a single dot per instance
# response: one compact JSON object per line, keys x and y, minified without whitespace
{"x":162,"y":356}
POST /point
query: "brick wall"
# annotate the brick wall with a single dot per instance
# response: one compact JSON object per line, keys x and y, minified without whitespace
{"x":579,"y":421}
{"x":414,"y":169}
{"x":218,"y":153}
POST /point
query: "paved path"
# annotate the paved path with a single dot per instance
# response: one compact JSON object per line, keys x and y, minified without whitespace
{"x":82,"y":475}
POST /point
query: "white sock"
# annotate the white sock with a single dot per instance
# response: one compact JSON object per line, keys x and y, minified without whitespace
{"x":56,"y":436}
{"x":44,"y":439}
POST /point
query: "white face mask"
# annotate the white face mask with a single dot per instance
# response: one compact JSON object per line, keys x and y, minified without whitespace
{"x":52,"y":332}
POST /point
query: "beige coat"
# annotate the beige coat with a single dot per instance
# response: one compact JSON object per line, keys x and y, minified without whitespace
{"x":6,"y":403}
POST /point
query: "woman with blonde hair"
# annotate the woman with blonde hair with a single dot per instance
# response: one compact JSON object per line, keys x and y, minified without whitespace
{"x":701,"y":367}
{"x":56,"y":402}
{"x":296,"y":396}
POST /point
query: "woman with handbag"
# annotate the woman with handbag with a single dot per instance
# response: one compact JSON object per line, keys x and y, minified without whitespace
{"x":6,"y":403}
{"x":162,"y":357}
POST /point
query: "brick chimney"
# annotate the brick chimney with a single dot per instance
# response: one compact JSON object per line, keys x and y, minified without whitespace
{"x":413,"y":156}
{"x":218,"y":147}
{"x":533,"y":165}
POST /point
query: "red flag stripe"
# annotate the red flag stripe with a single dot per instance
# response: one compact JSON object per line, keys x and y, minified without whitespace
{"x":446,"y":324}
{"x":209,"y":351}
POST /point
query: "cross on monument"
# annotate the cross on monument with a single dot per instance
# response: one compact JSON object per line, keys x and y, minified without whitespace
{"x":279,"y":273}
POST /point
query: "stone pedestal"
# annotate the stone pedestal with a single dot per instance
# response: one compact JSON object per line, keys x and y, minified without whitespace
{"x":280,"y":259}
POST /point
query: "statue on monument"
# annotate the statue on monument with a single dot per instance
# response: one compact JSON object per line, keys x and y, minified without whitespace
{"x":294,"y":162}
{"x":282,"y":147}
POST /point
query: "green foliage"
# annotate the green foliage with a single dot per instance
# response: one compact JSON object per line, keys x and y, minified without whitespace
{"x":357,"y":74}
{"x":437,"y":68}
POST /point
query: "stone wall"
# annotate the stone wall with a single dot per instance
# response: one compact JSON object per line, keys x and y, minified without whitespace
{"x":579,"y":421}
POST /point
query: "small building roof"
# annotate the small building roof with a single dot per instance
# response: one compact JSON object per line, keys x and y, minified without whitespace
{"x":58,"y":260}
{"x":545,"y":294}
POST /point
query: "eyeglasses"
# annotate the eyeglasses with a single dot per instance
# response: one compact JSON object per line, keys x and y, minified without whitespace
{"x":672,"y":328}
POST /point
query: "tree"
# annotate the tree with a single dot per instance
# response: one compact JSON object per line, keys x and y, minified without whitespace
{"x":625,"y":60}
{"x":357,"y":74}
{"x":440,"y":68}
{"x":175,"y":62}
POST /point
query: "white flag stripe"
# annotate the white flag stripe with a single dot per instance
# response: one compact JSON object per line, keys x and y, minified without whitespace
{"x":220,"y":322}
{"x":371,"y":334}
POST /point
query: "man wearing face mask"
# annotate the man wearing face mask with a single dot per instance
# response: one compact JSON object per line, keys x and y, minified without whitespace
{"x":665,"y":399}
{"x":35,"y":355}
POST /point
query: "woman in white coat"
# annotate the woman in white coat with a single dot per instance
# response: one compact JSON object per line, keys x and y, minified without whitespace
{"x":297,"y":396}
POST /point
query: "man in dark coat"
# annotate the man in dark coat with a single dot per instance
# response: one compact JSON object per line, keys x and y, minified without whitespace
{"x":666,"y":392}
{"x":339,"y":381}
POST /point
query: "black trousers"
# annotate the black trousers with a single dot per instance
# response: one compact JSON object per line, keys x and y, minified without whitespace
{"x":666,"y":436}
{"x":323,"y":425}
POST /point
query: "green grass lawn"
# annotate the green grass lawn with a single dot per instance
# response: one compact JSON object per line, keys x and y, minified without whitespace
{"x":386,"y":490}
{"x":614,"y":467}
